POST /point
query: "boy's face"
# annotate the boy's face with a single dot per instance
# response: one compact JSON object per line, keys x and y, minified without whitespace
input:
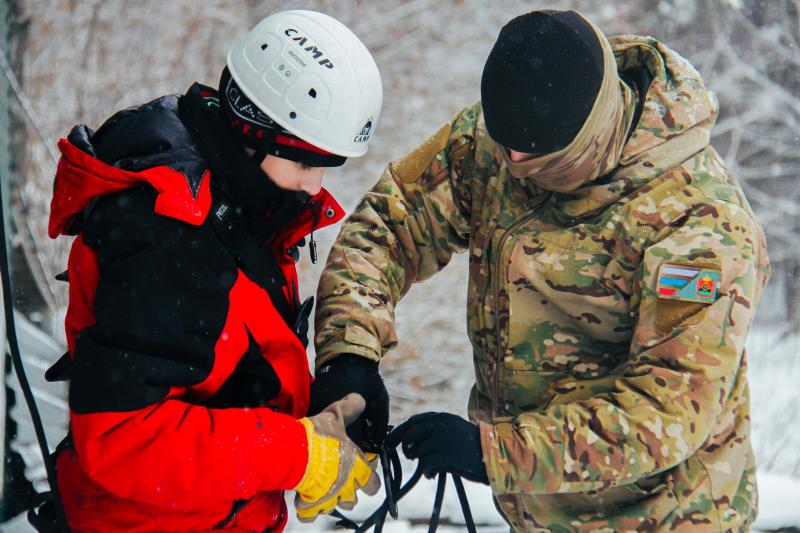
{"x":290,"y":175}
{"x":293,"y":176}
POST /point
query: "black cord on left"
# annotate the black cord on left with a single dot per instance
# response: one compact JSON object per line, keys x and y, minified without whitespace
{"x":16,"y":359}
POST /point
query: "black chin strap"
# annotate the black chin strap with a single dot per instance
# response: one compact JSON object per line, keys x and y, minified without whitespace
{"x":396,"y":490}
{"x":263,"y":151}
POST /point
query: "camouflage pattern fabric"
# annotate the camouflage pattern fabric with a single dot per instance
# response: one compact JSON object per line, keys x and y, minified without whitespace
{"x":603,"y":405}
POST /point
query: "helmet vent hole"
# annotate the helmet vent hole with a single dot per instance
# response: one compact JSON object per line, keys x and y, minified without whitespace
{"x":292,"y":115}
{"x":312,"y":93}
{"x":264,"y":46}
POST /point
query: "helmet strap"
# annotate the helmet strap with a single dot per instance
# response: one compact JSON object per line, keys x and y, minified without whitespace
{"x":264,"y":150}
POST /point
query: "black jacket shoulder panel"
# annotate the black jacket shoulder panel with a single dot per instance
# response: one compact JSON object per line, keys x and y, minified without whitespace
{"x":160,"y":304}
{"x":117,"y":217}
{"x":150,"y":135}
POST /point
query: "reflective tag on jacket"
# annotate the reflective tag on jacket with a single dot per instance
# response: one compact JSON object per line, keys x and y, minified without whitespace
{"x":688,"y":283}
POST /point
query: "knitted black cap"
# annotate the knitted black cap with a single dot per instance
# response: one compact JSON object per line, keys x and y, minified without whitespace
{"x":541,"y":80}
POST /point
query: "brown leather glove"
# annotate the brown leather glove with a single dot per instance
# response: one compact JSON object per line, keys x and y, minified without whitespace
{"x":336,"y":466}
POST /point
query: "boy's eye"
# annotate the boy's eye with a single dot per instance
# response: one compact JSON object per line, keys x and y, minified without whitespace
{"x":304,"y":167}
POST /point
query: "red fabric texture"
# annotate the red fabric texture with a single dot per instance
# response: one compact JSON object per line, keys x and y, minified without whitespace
{"x":93,"y":508}
{"x":177,"y":465}
{"x":84,"y":274}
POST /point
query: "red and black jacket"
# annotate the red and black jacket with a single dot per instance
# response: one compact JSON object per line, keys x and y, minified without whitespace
{"x":187,"y":372}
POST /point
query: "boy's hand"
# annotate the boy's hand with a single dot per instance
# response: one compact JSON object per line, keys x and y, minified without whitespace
{"x":336,"y":467}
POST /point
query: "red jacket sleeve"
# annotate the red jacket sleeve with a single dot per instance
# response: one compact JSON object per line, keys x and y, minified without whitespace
{"x":180,"y":455}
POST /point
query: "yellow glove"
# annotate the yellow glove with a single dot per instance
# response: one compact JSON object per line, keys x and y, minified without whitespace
{"x":336,"y":466}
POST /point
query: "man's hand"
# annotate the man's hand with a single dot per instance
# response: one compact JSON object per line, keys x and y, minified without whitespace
{"x":443,"y":443}
{"x":352,"y":373}
{"x":336,"y":467}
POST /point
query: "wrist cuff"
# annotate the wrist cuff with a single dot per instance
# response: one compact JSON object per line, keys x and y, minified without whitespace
{"x":322,"y":469}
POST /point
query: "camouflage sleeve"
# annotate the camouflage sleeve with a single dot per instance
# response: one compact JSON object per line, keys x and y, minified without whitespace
{"x":404,"y":230}
{"x":662,"y":404}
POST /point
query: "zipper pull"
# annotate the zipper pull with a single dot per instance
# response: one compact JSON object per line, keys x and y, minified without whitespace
{"x":312,"y":247}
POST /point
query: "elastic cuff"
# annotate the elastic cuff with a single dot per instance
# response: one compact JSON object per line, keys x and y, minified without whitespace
{"x":314,"y":457}
{"x":334,"y":350}
{"x":324,"y":462}
{"x":351,"y":339}
{"x":297,"y":434}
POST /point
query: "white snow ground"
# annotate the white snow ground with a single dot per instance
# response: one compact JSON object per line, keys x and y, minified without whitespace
{"x":779,"y":508}
{"x":779,"y":495}
{"x":779,"y":502}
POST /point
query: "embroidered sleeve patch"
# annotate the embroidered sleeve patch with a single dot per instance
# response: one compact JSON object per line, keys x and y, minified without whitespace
{"x":688,"y":283}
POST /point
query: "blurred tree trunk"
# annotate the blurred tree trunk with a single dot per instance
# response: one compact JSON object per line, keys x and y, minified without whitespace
{"x":5,"y":172}
{"x":15,"y":491}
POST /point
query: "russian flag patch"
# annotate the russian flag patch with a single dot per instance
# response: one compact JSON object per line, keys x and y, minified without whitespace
{"x":688,"y":283}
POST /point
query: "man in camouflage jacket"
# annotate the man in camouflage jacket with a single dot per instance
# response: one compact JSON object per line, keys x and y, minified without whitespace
{"x":612,"y":285}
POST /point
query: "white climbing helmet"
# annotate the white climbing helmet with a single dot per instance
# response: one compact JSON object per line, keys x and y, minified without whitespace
{"x":313,"y":76}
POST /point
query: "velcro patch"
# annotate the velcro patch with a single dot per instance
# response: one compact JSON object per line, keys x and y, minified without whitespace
{"x":411,"y":167}
{"x":688,"y":283}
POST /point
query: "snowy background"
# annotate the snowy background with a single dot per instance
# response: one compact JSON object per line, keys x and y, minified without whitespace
{"x":79,"y":61}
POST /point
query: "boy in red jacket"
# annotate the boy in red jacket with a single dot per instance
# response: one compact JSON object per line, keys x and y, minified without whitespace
{"x":189,"y":381}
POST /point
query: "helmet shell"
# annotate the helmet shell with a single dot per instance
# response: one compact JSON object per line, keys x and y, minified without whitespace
{"x":313,"y":76}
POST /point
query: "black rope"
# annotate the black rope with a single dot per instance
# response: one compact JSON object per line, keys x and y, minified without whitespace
{"x":462,"y":499}
{"x":395,"y":491}
{"x":389,"y":462}
{"x":16,"y":359}
{"x":441,"y":484}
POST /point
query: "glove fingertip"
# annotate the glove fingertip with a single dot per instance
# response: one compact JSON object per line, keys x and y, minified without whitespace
{"x":347,"y":499}
{"x":373,"y":485}
{"x":306,"y":516}
{"x":347,"y":506}
{"x":366,"y":477}
{"x":430,"y":474}
{"x":395,"y":436}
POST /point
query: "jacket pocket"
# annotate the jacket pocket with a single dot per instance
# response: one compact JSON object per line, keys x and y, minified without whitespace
{"x":524,"y":389}
{"x":560,"y":321}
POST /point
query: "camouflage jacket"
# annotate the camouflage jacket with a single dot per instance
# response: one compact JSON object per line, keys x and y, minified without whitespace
{"x":609,"y":398}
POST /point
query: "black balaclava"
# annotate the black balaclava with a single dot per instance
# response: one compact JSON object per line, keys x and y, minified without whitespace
{"x":266,"y":206}
{"x":540,"y":81}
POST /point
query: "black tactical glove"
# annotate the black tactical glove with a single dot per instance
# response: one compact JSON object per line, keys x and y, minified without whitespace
{"x":352,"y":373}
{"x":443,"y":443}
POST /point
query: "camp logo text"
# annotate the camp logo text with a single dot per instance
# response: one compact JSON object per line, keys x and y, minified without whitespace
{"x":366,"y":131}
{"x":312,"y":49}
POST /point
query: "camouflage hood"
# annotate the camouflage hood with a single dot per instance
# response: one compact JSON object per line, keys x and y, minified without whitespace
{"x":678,"y":114}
